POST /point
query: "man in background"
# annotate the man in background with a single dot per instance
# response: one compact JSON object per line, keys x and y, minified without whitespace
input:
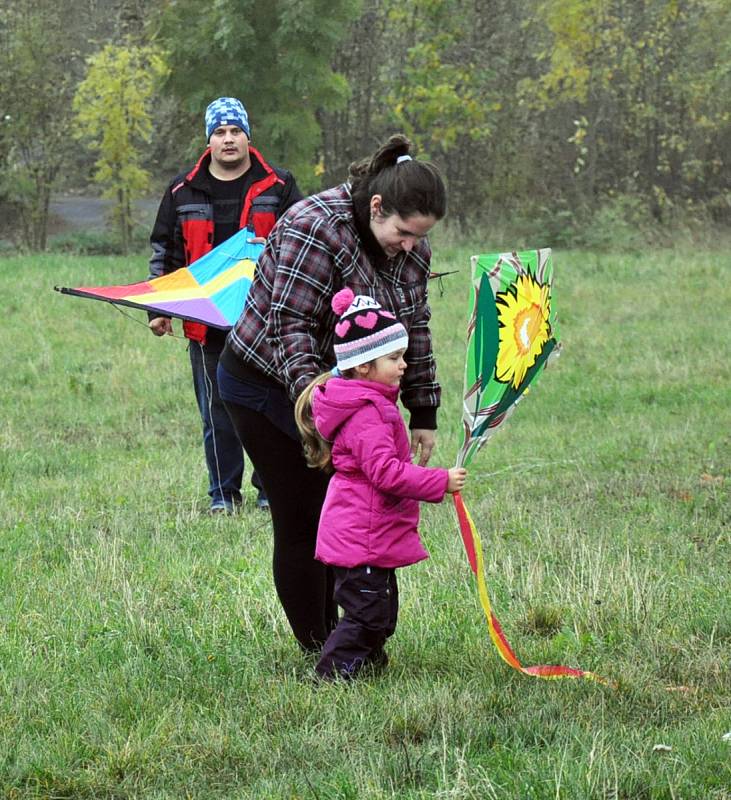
{"x":231,"y":187}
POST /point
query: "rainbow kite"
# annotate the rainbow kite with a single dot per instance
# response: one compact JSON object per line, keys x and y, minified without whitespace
{"x":213,"y":290}
{"x":512,"y":335}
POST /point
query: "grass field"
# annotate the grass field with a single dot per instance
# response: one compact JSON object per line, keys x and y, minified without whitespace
{"x":142,"y":650}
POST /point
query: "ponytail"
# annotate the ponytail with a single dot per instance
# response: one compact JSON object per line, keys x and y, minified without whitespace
{"x":317,"y":450}
{"x":407,"y":186}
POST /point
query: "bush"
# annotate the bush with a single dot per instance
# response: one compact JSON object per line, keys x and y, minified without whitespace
{"x":97,"y":243}
{"x":622,"y":222}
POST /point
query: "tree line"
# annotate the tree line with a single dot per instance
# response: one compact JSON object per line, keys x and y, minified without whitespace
{"x":553,"y":114}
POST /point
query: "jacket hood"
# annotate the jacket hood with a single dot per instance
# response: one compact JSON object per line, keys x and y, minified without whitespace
{"x":334,"y":402}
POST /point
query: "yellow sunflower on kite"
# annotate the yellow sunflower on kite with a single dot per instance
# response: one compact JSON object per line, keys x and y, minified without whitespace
{"x":524,"y":328}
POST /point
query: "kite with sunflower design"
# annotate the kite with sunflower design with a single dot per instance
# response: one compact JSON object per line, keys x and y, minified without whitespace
{"x":512,"y":335}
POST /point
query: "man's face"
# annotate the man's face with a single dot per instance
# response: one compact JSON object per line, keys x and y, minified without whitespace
{"x":229,"y":146}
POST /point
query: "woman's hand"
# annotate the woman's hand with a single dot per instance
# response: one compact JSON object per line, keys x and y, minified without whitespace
{"x":422,"y":444}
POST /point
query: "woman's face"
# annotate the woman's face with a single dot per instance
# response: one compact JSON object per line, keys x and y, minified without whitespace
{"x":394,"y":233}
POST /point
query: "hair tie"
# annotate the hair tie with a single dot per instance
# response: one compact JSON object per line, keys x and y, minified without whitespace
{"x":403,"y":158}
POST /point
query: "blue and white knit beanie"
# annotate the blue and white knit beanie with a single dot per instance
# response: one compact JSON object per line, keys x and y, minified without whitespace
{"x":365,"y":331}
{"x":226,"y":111}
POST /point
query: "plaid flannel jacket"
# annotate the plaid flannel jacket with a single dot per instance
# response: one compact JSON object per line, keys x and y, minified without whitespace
{"x":286,"y":327}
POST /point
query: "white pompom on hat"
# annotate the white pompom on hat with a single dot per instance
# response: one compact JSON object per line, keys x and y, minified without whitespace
{"x":365,"y":331}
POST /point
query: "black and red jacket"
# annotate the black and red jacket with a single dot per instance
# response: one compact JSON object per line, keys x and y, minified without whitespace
{"x":183,"y":230}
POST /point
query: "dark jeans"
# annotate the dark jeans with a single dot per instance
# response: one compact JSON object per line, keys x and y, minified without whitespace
{"x":369,"y":598}
{"x":224,"y":456}
{"x":296,"y":494}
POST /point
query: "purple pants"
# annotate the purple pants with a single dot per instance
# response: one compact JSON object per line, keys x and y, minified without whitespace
{"x":369,"y":599}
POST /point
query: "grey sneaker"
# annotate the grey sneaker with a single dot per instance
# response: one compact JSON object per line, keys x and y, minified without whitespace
{"x":223,"y":507}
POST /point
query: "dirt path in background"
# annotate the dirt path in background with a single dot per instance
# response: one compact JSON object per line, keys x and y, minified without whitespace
{"x":71,"y":213}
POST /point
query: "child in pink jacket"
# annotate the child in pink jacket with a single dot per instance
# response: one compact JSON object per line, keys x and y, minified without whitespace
{"x":350,"y":422}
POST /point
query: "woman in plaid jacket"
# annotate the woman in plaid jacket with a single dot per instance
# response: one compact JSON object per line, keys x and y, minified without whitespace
{"x":368,"y":234}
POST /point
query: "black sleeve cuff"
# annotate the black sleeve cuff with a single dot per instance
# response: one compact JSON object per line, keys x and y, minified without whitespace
{"x":423,"y":417}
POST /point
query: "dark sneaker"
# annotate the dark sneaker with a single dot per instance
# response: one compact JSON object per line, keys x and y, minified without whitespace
{"x":377,"y":660}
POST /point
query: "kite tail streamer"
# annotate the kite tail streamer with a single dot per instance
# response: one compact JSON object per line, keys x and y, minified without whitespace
{"x":473,"y":547}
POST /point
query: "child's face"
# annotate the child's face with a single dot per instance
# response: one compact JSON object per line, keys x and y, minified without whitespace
{"x":387,"y":369}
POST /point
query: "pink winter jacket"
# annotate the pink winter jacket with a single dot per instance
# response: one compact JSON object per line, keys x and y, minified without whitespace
{"x":371,"y":512}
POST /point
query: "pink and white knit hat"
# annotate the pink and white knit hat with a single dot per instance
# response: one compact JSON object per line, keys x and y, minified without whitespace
{"x":365,"y":331}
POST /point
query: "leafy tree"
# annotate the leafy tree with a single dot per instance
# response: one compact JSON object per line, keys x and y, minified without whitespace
{"x":445,"y":72}
{"x":43,"y":45}
{"x":275,"y":55}
{"x":447,"y":93}
{"x":113,"y":114}
{"x":38,"y":61}
{"x":640,"y":81}
{"x":546,"y":109}
{"x":542,"y":110}
{"x":354,"y":128}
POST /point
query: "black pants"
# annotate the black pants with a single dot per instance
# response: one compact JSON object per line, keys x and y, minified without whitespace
{"x":296,"y":494}
{"x":369,"y":598}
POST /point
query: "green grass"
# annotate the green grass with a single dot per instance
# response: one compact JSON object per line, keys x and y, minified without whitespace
{"x":142,"y":650}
